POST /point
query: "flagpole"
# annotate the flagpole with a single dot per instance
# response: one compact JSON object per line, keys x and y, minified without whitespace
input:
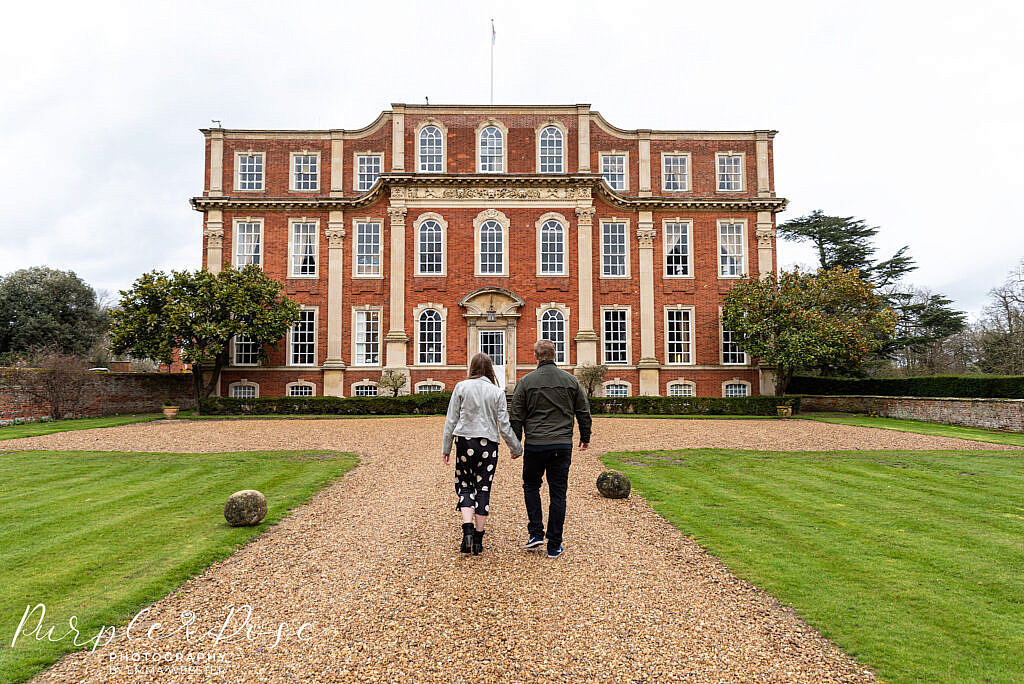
{"x":492,"y":61}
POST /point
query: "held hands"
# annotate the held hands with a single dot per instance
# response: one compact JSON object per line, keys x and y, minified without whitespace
{"x":445,"y":457}
{"x":515,"y":455}
{"x":584,"y":446}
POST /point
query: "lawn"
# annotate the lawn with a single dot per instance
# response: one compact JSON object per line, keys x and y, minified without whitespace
{"x":49,"y":427}
{"x":139,"y":524}
{"x":920,"y":426}
{"x":912,"y":561}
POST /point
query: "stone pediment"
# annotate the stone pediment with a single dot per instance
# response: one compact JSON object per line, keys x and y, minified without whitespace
{"x":505,"y":302}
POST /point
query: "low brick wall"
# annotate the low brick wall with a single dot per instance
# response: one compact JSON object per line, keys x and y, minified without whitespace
{"x":996,"y":414}
{"x":112,"y":394}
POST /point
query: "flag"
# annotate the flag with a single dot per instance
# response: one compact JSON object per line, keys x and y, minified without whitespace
{"x":494,"y":34}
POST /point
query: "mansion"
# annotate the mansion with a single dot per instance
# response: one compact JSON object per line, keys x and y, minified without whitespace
{"x":438,"y":231}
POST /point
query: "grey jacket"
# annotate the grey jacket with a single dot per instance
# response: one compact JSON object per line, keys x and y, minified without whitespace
{"x":545,"y":403}
{"x":478,"y":408}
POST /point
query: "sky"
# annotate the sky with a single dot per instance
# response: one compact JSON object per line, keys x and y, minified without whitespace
{"x":905,"y":114}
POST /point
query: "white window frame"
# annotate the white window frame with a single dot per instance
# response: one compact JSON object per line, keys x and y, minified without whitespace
{"x":444,"y":145}
{"x":737,"y":381}
{"x":664,"y":171}
{"x":743,"y":246}
{"x":617,"y":381}
{"x":234,"y":352}
{"x":693,"y":351}
{"x":293,"y":172}
{"x":558,"y":126}
{"x":666,"y":248}
{"x":316,"y":335}
{"x":502,"y":220}
{"x":243,"y":383}
{"x":629,"y":336}
{"x":743,"y":171}
{"x":238,"y":169}
{"x":626,"y":256}
{"x":299,"y":383}
{"x":234,"y":240}
{"x":567,"y":346}
{"x":365,"y":382}
{"x":680,"y":383}
{"x":416,"y":313}
{"x":356,"y":222}
{"x":357,"y":183}
{"x":429,"y":382}
{"x":292,"y":222}
{"x":541,"y":222}
{"x":356,"y":360}
{"x":504,"y":145}
{"x":416,"y":225}
{"x":721,"y":346}
{"x":625,"y":168}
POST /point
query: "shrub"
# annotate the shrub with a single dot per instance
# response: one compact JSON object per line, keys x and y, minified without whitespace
{"x":430,"y":403}
{"x":693,"y":406}
{"x":966,"y":386}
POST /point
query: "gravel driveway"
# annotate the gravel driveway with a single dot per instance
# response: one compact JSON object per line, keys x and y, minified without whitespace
{"x":372,"y":563}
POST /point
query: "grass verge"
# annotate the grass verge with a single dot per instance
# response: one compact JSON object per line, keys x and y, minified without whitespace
{"x":99,"y":535}
{"x":920,"y":427}
{"x":49,"y":427}
{"x":912,"y":561}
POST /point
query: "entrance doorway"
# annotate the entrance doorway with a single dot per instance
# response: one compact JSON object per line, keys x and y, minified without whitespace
{"x":492,"y":343}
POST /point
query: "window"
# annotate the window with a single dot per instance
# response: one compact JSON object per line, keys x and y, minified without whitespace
{"x":736,"y":389}
{"x":427,"y":388}
{"x":305,"y":172}
{"x":552,"y":248}
{"x":430,"y":337}
{"x":680,"y":389}
{"x":731,"y":352}
{"x":492,"y":258}
{"x":250,"y":171}
{"x":552,"y":327}
{"x":431,"y":150}
{"x":300,"y":390}
{"x":730,"y":172}
{"x":303,"y":249}
{"x":431,"y":258}
{"x":675,"y":175}
{"x":367,"y":248}
{"x":492,"y":150}
{"x":613,"y":250}
{"x":551,"y":151}
{"x":303,"y":339}
{"x":730,"y":250}
{"x":367,"y":346}
{"x":248,"y":236}
{"x":243,"y":391}
{"x":677,"y":250}
{"x":247,"y":351}
{"x":364,"y":390}
{"x":367,"y":170}
{"x":616,"y":389}
{"x":613,"y":168}
{"x":678,"y":336}
{"x":615,"y":337}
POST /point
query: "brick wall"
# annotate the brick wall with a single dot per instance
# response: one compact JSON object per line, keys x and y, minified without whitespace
{"x":996,"y":414}
{"x":112,"y":394}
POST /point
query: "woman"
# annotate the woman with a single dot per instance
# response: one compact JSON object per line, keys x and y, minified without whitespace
{"x":476,"y":412}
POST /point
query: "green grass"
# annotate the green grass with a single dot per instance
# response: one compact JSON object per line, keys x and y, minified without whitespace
{"x":912,"y":561}
{"x":920,"y":426}
{"x":99,"y":535}
{"x":49,"y":427}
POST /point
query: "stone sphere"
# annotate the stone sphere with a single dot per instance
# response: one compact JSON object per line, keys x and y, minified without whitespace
{"x":245,"y":508}
{"x":613,"y":485}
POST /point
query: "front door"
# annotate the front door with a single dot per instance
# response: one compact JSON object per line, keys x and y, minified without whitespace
{"x":492,"y":343}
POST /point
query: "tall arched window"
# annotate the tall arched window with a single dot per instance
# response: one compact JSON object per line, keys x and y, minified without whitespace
{"x":551,"y":150}
{"x":552,"y":248}
{"x":492,"y":150}
{"x":552,"y":327}
{"x":431,"y":150}
{"x":430,"y":337}
{"x":492,"y":254}
{"x":430,"y":248}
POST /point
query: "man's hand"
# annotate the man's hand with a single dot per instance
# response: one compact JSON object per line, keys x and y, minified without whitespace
{"x":515,"y":455}
{"x":445,"y":457}
{"x":584,"y":446}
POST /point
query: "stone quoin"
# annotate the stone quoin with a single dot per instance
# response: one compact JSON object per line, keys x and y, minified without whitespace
{"x":438,"y":231}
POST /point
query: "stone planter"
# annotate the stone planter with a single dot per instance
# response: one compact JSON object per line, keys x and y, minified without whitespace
{"x":171,"y":411}
{"x":784,"y":411}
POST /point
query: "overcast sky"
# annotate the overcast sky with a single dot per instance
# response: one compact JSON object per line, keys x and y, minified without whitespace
{"x":907,"y":114}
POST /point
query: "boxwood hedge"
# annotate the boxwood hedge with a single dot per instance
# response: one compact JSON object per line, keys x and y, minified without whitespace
{"x":966,"y":386}
{"x":693,"y":406}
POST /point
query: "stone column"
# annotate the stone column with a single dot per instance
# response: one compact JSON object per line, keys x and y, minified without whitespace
{"x":396,"y":339}
{"x":214,"y":233}
{"x":583,"y":137}
{"x":511,"y":357}
{"x":645,"y":163}
{"x":648,"y":364}
{"x":398,"y":139}
{"x":334,"y":366}
{"x":337,"y":164}
{"x":216,"y":162}
{"x":763,"y":184}
{"x":586,"y":338}
{"x":765,"y":234}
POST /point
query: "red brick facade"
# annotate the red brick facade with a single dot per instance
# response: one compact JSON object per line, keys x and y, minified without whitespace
{"x":516,"y":197}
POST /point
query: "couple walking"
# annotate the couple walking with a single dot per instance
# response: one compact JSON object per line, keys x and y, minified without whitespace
{"x":544,"y":404}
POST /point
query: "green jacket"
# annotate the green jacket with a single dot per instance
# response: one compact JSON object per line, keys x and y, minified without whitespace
{"x":545,"y":402}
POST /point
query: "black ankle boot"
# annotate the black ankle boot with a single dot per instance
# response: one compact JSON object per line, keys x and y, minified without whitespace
{"x":467,"y":538}
{"x":478,"y":542}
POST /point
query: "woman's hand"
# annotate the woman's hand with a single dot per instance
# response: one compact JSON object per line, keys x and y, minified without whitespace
{"x":445,"y":457}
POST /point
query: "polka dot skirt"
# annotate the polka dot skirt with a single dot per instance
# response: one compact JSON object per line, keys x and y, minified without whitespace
{"x":475,"y":461}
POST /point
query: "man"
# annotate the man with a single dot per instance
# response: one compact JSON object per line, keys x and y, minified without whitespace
{"x":544,"y":403}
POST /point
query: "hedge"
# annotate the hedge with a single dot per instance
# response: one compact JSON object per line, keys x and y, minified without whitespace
{"x":693,"y":406}
{"x":429,"y":403}
{"x":965,"y":386}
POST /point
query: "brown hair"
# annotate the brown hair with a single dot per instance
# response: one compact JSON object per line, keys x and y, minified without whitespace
{"x":480,"y":366}
{"x":544,"y":349}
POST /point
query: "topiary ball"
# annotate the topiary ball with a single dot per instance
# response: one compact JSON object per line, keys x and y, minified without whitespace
{"x":245,"y":508}
{"x":613,"y":485}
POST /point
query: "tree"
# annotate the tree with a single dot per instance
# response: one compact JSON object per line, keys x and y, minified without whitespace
{"x":799,"y":320}
{"x":391,"y":380}
{"x":590,"y":377}
{"x":999,"y":335}
{"x":925,"y":322}
{"x":43,"y":308}
{"x":50,"y":376}
{"x":200,"y":313}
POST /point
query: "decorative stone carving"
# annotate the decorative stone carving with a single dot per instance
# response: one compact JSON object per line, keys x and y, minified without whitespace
{"x":397,"y":214}
{"x":335,"y":237}
{"x":214,"y":237}
{"x":645,"y":237}
{"x":585,"y":214}
{"x":764,"y":237}
{"x":397,"y":192}
{"x":493,"y":193}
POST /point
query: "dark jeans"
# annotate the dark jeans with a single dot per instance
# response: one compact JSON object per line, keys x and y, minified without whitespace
{"x":555,"y":462}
